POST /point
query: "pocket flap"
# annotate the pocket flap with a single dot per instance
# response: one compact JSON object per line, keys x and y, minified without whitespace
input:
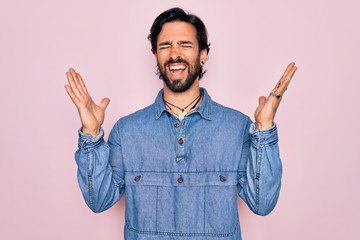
{"x":221,"y":178}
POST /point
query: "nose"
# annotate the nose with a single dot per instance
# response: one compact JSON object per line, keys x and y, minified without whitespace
{"x":175,"y":52}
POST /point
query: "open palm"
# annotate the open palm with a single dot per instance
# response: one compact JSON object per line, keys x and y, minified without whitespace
{"x":265,"y":112}
{"x":91,"y":115}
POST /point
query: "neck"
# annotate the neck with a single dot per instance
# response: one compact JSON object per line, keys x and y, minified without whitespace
{"x":180,"y":104}
{"x":182,"y":99}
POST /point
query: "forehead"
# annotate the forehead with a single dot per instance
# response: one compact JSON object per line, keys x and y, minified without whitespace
{"x":177,"y":31}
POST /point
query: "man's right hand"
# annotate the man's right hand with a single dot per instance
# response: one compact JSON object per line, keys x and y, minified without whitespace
{"x":91,"y":115}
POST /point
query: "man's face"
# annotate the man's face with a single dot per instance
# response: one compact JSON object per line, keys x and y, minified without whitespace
{"x":178,"y":56}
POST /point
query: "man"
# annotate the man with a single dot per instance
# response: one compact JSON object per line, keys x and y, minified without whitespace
{"x":182,"y":160}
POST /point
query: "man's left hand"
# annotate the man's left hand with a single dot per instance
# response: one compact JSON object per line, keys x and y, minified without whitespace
{"x":265,"y":112}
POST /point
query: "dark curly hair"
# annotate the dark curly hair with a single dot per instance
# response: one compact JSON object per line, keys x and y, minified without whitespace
{"x":177,"y":14}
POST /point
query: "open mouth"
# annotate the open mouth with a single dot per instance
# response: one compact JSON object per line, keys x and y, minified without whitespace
{"x":177,"y":68}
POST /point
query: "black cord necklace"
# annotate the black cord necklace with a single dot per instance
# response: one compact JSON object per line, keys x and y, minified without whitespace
{"x":183,"y":110}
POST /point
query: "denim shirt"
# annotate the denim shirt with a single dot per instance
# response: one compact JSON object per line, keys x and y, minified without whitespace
{"x":181,"y":178}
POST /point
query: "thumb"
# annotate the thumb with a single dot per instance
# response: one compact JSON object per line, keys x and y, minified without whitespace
{"x":104,"y":103}
{"x":262,"y":100}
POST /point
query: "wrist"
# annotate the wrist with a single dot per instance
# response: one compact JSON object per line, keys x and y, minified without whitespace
{"x":263,"y":126}
{"x":92,"y":132}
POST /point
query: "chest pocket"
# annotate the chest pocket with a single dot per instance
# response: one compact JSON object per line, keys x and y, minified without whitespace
{"x":182,"y":204}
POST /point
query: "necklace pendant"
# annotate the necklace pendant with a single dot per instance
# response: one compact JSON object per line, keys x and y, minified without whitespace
{"x":181,"y":115}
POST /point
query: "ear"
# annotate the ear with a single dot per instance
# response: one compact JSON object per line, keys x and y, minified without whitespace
{"x":203,"y":56}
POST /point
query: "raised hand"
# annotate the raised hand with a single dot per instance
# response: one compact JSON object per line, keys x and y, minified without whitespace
{"x":265,"y":112}
{"x":91,"y":115}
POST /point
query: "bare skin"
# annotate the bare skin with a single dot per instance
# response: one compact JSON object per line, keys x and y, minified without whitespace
{"x":91,"y":115}
{"x":265,"y":112}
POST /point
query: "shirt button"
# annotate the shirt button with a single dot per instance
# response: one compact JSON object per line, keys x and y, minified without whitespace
{"x":176,"y":125}
{"x":181,"y":141}
{"x":180,"y":180}
{"x":137,"y":178}
{"x":222,"y":178}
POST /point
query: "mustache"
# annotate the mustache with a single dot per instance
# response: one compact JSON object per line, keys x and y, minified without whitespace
{"x":177,"y":60}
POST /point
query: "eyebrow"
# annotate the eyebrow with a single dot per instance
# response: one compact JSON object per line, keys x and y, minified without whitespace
{"x":185,"y":42}
{"x":165,"y":43}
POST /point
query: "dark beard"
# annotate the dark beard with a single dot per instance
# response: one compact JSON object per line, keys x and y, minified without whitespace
{"x":176,"y":85}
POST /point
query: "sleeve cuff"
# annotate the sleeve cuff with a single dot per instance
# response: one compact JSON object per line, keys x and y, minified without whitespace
{"x":87,"y":142}
{"x":263,"y":138}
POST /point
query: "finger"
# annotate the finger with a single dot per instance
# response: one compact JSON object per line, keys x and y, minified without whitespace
{"x":71,"y":80}
{"x":72,"y":73}
{"x":262,"y":100}
{"x":289,"y":72}
{"x":284,"y":81}
{"x":81,"y":83}
{"x":275,"y":97}
{"x":104,"y":103}
{"x":289,"y":68}
{"x":287,"y":77}
{"x":71,"y":76}
{"x":72,"y":95}
{"x":75,"y":84}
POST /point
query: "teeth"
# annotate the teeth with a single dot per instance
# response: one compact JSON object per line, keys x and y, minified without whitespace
{"x":177,"y":67}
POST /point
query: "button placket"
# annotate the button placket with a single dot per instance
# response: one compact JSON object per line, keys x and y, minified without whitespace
{"x":181,"y":143}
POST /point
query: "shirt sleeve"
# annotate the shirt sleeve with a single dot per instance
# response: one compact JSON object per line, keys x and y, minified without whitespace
{"x":260,"y":175}
{"x":99,"y":180}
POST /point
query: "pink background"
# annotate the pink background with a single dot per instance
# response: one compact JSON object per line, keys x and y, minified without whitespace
{"x":251,"y":44}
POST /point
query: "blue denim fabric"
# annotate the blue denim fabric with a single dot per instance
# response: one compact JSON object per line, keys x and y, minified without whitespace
{"x":181,"y":178}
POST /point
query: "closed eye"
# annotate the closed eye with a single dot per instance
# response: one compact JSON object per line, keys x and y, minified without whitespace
{"x":186,"y":46}
{"x":164,"y":47}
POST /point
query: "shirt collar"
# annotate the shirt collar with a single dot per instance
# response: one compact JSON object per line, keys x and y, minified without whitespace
{"x":204,"y":109}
